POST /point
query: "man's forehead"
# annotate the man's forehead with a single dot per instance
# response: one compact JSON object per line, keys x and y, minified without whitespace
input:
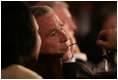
{"x":48,"y":21}
{"x":48,"y":18}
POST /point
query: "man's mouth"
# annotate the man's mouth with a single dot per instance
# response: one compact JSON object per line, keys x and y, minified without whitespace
{"x":66,"y":48}
{"x":72,"y":44}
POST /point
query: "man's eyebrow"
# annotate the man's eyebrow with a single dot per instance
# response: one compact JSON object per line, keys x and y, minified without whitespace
{"x":51,"y":31}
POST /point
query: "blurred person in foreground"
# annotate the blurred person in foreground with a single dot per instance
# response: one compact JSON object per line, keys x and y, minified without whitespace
{"x":110,"y":39}
{"x":107,"y":39}
{"x":20,"y":41}
{"x":110,"y":25}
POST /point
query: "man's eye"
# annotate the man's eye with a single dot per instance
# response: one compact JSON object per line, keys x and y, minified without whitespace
{"x":53,"y":33}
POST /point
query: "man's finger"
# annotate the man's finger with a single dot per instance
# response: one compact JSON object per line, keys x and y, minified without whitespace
{"x":102,"y":43}
{"x":102,"y":34}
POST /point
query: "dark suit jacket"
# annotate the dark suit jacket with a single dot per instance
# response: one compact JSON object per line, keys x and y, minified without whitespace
{"x":77,"y":70}
{"x":84,"y":70}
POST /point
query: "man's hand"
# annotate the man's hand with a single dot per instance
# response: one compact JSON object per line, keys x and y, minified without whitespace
{"x":108,"y":39}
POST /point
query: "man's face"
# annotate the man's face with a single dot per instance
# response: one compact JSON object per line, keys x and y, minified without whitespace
{"x":69,"y":27}
{"x":65,"y":16}
{"x":54,"y":39}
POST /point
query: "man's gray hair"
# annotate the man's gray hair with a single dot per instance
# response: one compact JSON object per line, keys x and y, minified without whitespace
{"x":38,"y":11}
{"x":53,"y":3}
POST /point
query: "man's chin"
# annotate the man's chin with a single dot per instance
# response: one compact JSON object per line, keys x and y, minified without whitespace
{"x":67,"y":56}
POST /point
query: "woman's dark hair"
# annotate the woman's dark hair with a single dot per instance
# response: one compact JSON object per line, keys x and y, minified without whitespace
{"x":18,"y":37}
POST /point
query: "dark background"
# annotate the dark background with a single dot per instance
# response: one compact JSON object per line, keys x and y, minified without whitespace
{"x":89,"y":17}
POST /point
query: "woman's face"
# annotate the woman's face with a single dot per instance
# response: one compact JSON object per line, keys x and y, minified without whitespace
{"x":38,"y":41}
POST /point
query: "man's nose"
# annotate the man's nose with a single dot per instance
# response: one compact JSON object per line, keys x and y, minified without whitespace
{"x":63,"y":37}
